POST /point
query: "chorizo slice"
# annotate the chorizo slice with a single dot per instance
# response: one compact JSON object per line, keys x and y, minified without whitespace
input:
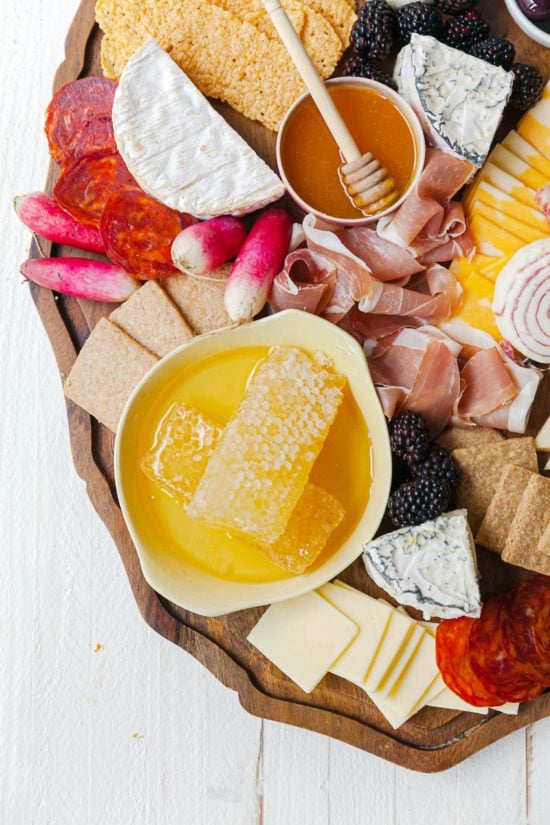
{"x":85,"y":186}
{"x":453,"y":661}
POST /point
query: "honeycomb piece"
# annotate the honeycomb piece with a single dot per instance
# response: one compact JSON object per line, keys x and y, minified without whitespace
{"x":262,"y":462}
{"x":315,"y":517}
{"x":184,"y":442}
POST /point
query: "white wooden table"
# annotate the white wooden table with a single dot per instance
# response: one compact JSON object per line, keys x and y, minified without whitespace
{"x":102,"y":722}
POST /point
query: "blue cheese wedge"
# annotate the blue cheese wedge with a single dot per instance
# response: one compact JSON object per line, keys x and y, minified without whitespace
{"x":179,"y":149}
{"x":431,"y":567}
{"x":458,"y":98}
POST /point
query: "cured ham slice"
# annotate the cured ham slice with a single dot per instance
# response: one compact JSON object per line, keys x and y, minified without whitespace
{"x":515,"y":416}
{"x":386,"y":261}
{"x":488,"y":384}
{"x":306,"y":282}
{"x":441,"y":179}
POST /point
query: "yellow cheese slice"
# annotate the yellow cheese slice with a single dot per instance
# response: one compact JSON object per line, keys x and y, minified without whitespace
{"x":407,"y":654}
{"x":398,"y":633}
{"x":417,"y":678}
{"x":371,"y":617}
{"x":508,"y":184}
{"x":516,"y":167}
{"x":522,"y":231}
{"x":491,"y":196}
{"x":522,"y":149}
{"x":303,"y":637}
{"x":394,"y":717}
{"x":476,"y":304}
{"x":492,"y":239}
{"x":534,"y":127}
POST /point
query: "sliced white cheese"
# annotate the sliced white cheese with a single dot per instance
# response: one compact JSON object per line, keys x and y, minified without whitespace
{"x":431,"y":567}
{"x":459,"y":99}
{"x":417,"y":679}
{"x":371,"y":617}
{"x":397,"y":635}
{"x":391,"y":680}
{"x":542,"y":439}
{"x":178,"y":148}
{"x":303,"y":637}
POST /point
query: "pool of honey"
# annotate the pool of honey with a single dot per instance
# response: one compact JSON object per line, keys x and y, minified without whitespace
{"x":310,"y":156}
{"x":216,"y":385}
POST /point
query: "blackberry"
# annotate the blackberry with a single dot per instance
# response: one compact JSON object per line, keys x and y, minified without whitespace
{"x":528,"y":86}
{"x":420,"y":18}
{"x":358,"y":67}
{"x":409,"y":436}
{"x":464,"y":31}
{"x":437,"y":463}
{"x":373,"y":34}
{"x":418,"y":501}
{"x":455,"y":7}
{"x":495,"y":50}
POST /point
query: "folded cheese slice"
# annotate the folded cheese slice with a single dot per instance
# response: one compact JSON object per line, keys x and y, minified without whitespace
{"x":178,"y":148}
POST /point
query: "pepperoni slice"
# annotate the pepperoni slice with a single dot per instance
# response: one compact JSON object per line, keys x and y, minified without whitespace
{"x":138,"y":233}
{"x":453,"y":661}
{"x":527,"y":627}
{"x":71,"y":110}
{"x":85,"y":186}
{"x":95,"y":137}
{"x":508,"y":677}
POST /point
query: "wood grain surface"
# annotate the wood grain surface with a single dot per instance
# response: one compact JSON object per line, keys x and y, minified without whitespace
{"x":433,"y":740}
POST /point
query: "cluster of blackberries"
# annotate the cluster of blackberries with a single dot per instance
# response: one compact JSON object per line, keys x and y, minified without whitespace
{"x":379,"y":31}
{"x":425,"y":474}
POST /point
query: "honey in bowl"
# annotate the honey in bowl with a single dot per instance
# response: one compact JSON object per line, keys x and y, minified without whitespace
{"x":310,"y":158}
{"x":215,"y":386}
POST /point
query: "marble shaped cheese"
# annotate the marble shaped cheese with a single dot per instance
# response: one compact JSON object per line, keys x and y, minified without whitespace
{"x":458,"y":98}
{"x":431,"y":567}
{"x":179,"y":149}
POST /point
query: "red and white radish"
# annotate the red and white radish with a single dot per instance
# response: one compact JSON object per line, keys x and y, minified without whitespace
{"x":261,"y":258}
{"x":82,"y":277}
{"x":42,"y":215}
{"x":205,"y":246}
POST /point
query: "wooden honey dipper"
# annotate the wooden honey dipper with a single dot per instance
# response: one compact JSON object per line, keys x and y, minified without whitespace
{"x":366,"y":182}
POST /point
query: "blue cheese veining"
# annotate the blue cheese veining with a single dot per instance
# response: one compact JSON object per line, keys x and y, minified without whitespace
{"x":431,"y":567}
{"x":458,"y":98}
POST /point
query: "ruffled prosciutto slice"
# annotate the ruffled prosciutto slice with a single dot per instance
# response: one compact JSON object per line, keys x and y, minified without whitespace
{"x":306,"y":282}
{"x":488,"y":384}
{"x":354,"y":283}
{"x":514,"y":417}
{"x":386,"y":261}
{"x":418,"y":372}
{"x":442,"y":177}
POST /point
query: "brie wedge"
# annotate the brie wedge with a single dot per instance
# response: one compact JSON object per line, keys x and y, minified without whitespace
{"x":431,"y":567}
{"x":458,"y":98}
{"x":179,"y":149}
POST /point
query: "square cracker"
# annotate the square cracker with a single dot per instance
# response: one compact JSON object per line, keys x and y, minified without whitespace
{"x":522,"y":547}
{"x":201,"y":300}
{"x":503,"y":507}
{"x":482,"y":467}
{"x":153,"y":320}
{"x":108,"y":367}
{"x":456,"y":438}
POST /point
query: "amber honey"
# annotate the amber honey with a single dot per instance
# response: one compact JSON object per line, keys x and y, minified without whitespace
{"x":310,"y":157}
{"x":216,"y":385}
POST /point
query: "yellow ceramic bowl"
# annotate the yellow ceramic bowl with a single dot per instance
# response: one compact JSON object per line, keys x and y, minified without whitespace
{"x":186,"y":584}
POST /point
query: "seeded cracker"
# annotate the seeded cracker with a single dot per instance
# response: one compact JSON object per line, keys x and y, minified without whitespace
{"x":503,"y":507}
{"x":200,"y":300}
{"x":153,"y":320}
{"x":253,"y":12}
{"x":108,"y":367}
{"x":456,"y":438}
{"x":528,"y":527}
{"x":339,"y":13}
{"x":225,"y":57}
{"x":482,"y":467}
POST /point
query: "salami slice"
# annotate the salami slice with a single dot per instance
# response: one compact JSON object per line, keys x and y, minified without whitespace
{"x":138,"y":233}
{"x":85,"y":186}
{"x":72,"y":108}
{"x":95,"y":137}
{"x":453,"y":661}
{"x":507,"y":676}
{"x":527,"y":627}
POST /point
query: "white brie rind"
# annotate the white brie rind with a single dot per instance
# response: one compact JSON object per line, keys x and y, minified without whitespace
{"x":458,"y":98}
{"x":179,"y":149}
{"x":431,"y":567}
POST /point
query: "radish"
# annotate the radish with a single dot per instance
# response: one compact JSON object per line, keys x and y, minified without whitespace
{"x":206,"y":246}
{"x":42,"y":214}
{"x":82,"y":277}
{"x":261,"y":258}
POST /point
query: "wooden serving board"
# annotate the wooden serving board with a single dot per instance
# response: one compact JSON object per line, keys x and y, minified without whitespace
{"x":433,"y":740}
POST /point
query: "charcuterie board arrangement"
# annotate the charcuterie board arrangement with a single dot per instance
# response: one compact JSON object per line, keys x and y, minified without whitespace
{"x":314,"y":414}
